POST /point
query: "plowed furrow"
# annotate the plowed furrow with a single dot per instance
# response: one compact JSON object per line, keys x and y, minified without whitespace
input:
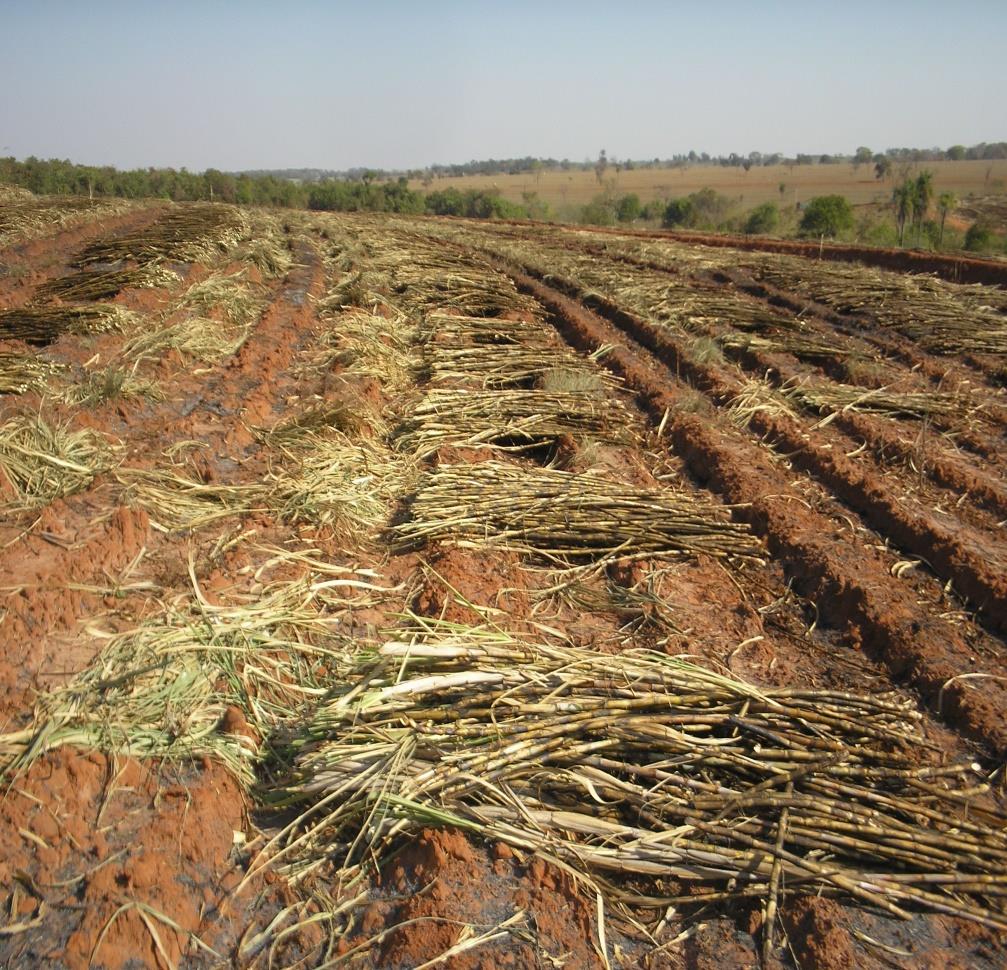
{"x":859,"y":329}
{"x":911,"y":450}
{"x":971,"y":565}
{"x":851,"y":585}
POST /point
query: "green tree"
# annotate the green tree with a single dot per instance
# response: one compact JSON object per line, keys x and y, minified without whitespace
{"x":762,"y":219}
{"x":946,"y":202}
{"x":979,"y":238}
{"x":678,"y":212}
{"x":710,"y":208}
{"x":863,"y":156}
{"x":598,"y":212}
{"x":628,"y":208}
{"x":956,"y":153}
{"x":827,"y":215}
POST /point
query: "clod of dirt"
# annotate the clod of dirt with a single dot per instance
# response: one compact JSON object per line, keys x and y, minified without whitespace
{"x":818,"y":934}
{"x":443,"y":881}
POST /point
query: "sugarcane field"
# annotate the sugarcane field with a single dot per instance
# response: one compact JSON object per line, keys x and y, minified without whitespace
{"x":398,"y":591}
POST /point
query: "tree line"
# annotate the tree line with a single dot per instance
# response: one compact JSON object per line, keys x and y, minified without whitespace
{"x":531,"y":165}
{"x":58,"y":177}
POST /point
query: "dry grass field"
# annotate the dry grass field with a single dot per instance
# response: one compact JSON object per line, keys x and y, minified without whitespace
{"x":403,"y":593}
{"x":800,"y":182}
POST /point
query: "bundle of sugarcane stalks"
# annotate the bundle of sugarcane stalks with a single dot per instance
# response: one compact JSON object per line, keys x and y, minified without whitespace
{"x":804,"y":346}
{"x":428,"y":278}
{"x":454,"y":330}
{"x":962,"y":336}
{"x":20,"y":373}
{"x":105,"y":284}
{"x":490,"y":366}
{"x":41,"y":325}
{"x":186,"y":233}
{"x":511,"y":420}
{"x":646,"y":767}
{"x":565,"y":517}
{"x":495,"y":353}
{"x":946,"y":408}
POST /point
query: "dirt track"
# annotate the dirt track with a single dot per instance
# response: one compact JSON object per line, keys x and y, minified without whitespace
{"x":881,"y":568}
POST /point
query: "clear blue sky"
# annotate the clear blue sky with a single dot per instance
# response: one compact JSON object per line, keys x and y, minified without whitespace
{"x":334,"y":85}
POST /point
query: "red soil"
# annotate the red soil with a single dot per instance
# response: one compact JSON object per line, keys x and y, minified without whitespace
{"x":91,"y":841}
{"x":443,"y":882}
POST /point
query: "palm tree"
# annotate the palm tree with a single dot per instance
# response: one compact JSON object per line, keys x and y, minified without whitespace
{"x":945,"y":203}
{"x":923,"y":193}
{"x":903,"y":196}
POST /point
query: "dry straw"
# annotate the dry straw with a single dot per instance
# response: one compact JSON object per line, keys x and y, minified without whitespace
{"x":110,"y":383}
{"x":177,"y":503}
{"x":43,"y":461}
{"x":328,"y":481}
{"x":368,"y":345}
{"x":228,"y":294}
{"x":267,"y":246}
{"x":198,"y":337}
{"x":21,"y":373}
{"x":345,"y":485}
{"x":302,"y":429}
{"x":758,"y":396}
{"x":161,"y":690}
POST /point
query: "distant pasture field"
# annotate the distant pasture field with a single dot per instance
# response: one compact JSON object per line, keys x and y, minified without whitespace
{"x":780,"y":183}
